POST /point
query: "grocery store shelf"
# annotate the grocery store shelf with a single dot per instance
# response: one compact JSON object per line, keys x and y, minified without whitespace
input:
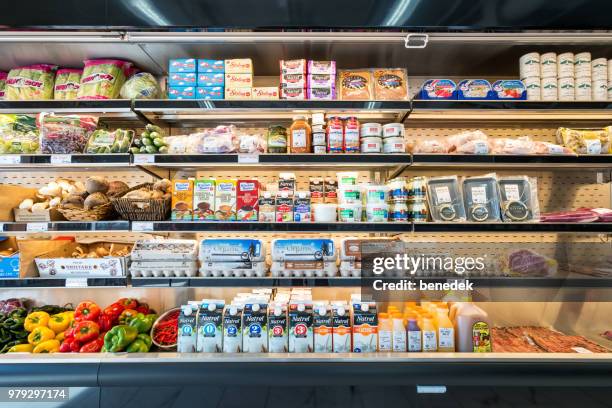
{"x":65,"y":160}
{"x":554,"y":162}
{"x":63,"y":226}
{"x":63,"y":282}
{"x":68,"y":106}
{"x":254,"y":226}
{"x":535,"y":227}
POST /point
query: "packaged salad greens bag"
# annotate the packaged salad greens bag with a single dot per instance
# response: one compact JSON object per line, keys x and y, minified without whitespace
{"x":141,"y":86}
{"x":67,"y":83}
{"x":29,"y":83}
{"x":18,"y":134}
{"x":3,"y":76}
{"x":103,"y":78}
{"x":66,"y":134}
{"x":104,"y":141}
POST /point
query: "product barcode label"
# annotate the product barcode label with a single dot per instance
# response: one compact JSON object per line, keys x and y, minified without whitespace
{"x":10,"y":159}
{"x":479,"y":194}
{"x":61,"y":159}
{"x":37,"y":227}
{"x":76,"y":282}
{"x":512,"y":192}
{"x":248,"y":158}
{"x":144,"y":158}
{"x":142,"y":226}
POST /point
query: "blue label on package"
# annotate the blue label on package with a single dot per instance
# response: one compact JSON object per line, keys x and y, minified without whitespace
{"x":475,"y":89}
{"x":182,"y":65}
{"x":181,"y":92}
{"x":9,"y":266}
{"x":209,"y":79}
{"x":182,"y":79}
{"x":211,"y":65}
{"x":214,"y":92}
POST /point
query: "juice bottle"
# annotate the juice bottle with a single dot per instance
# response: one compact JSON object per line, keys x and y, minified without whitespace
{"x":399,"y":333}
{"x":413,"y":331}
{"x":446,"y":332}
{"x":300,"y":136}
{"x":385,"y":332}
{"x":428,"y":329}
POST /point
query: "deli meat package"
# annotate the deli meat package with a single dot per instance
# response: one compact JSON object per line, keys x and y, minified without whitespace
{"x":527,"y":339}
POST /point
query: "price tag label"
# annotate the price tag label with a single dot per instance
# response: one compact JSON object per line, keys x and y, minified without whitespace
{"x":61,"y":159}
{"x":37,"y":227}
{"x":144,"y":158}
{"x":141,"y":226}
{"x":10,"y":159}
{"x":244,"y":158}
{"x":76,"y":282}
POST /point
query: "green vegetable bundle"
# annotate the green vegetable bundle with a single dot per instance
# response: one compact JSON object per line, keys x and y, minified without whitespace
{"x":104,"y":141}
{"x":67,"y":83}
{"x":11,"y":329}
{"x":151,"y":141}
{"x":3,"y":76}
{"x":103,"y":78}
{"x":29,"y":83}
{"x":141,"y":86}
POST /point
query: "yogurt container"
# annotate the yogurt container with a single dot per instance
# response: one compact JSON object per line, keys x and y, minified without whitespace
{"x":319,"y":149}
{"x":509,"y":89}
{"x":376,"y":193}
{"x":534,"y":86}
{"x":599,"y":90}
{"x":394,"y":145}
{"x":377,"y":212}
{"x":582,"y":65}
{"x":371,"y":144}
{"x":599,"y":69}
{"x":583,"y":89}
{"x":371,"y":130}
{"x":393,"y":130}
{"x":548,"y":65}
{"x":349,"y":212}
{"x":324,"y":212}
{"x":549,"y":89}
{"x":439,"y":89}
{"x":398,"y":212}
{"x":349,"y":194}
{"x":565,"y":65}
{"x":398,"y":190}
{"x":566,"y":89}
{"x":529,"y":65}
{"x":474,"y":89}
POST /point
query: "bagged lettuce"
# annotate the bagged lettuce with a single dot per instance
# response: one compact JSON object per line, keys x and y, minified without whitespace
{"x":30,"y":83}
{"x":103,"y":78}
{"x":3,"y":76}
{"x":65,"y":134}
{"x":18,"y":134}
{"x":67,"y":83}
{"x":141,"y":86}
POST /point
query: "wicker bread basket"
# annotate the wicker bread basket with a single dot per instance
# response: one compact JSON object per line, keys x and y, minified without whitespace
{"x":99,"y":213}
{"x":142,"y":209}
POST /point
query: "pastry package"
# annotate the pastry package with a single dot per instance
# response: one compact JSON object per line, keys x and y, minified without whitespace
{"x":585,"y":141}
{"x":390,"y":84}
{"x":355,"y":85}
{"x":445,"y":199}
{"x":519,"y":198}
{"x":481,"y":198}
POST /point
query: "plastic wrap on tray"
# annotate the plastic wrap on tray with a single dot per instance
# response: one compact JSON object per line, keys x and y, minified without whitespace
{"x":445,"y":199}
{"x":519,"y":198}
{"x":481,"y":198}
{"x":586,"y":141}
{"x":65,"y":134}
{"x":18,"y":134}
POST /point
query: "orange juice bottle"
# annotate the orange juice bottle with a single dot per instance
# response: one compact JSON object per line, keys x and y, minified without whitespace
{"x":385,"y":332}
{"x":428,"y":330}
{"x":446,"y":331}
{"x":413,"y":334}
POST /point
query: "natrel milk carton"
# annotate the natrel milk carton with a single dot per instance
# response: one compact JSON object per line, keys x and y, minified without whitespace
{"x":278,"y":341}
{"x":365,"y":327}
{"x":255,"y":327}
{"x":209,"y":326}
{"x":341,"y":328}
{"x":300,"y":327}
{"x":232,"y":329}
{"x":186,"y":339}
{"x":322,"y":328}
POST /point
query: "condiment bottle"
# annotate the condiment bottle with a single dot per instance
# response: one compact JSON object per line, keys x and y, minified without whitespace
{"x":300,"y":136}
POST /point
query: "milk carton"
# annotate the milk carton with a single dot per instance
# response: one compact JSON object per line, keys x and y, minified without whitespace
{"x":277,"y":323}
{"x":365,"y":327}
{"x":232,"y":329}
{"x":322,"y":328}
{"x":300,"y":327}
{"x":341,"y":328}
{"x":255,"y":327}
{"x":186,"y":339}
{"x":210,"y":326}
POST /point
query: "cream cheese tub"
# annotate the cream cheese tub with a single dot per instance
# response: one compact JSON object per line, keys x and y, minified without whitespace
{"x":529,"y":65}
{"x":549,"y":89}
{"x":533,"y":86}
{"x":566,"y":89}
{"x":394,"y":145}
{"x":548,"y":65}
{"x":393,"y":130}
{"x":371,"y":130}
{"x":371,"y":144}
{"x":582,"y":65}
{"x":565,"y":65}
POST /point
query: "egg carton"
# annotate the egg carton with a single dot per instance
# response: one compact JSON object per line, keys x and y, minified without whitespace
{"x":168,"y":250}
{"x":303,"y":269}
{"x":303,"y":249}
{"x":350,"y":269}
{"x":163,"y":269}
{"x":233,"y":269}
{"x":350,"y":248}
{"x":232,"y":250}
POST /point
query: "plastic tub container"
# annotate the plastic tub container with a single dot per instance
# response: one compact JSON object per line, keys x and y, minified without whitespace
{"x":599,"y":69}
{"x":534,"y":87}
{"x":529,"y":65}
{"x":350,"y":194}
{"x":350,"y":212}
{"x":394,"y":145}
{"x":393,"y":130}
{"x":565,"y":65}
{"x":377,"y":212}
{"x":371,"y":130}
{"x":548,"y":65}
{"x":582,"y":65}
{"x":376,"y":193}
{"x":371,"y":144}
{"x":566,"y":89}
{"x":324,"y":212}
{"x":549,"y":89}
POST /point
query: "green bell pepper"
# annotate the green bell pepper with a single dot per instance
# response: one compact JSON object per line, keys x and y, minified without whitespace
{"x":142,"y":344}
{"x":142,"y":322}
{"x":119,"y":337}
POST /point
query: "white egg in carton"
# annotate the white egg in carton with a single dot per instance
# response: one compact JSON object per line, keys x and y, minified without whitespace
{"x":233,"y":269}
{"x":303,"y":269}
{"x":350,"y":269}
{"x":161,"y":269}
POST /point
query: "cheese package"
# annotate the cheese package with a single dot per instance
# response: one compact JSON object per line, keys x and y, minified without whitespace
{"x":438,"y":89}
{"x":475,"y":89}
{"x":265,"y":93}
{"x":210,"y":92}
{"x":355,"y":85}
{"x":225,"y":200}
{"x":322,"y":94}
{"x":390,"y":84}
{"x":305,"y":249}
{"x":182,"y":79}
{"x":211,"y":65}
{"x":510,"y":89}
{"x":181,"y":92}
{"x":239,"y":66}
{"x":321,"y":67}
{"x":232,"y":250}
{"x":211,"y":79}
{"x":182,"y":65}
{"x":297,"y":66}
{"x":238,"y":80}
{"x":321,"y":81}
{"x":293,"y":81}
{"x":238,"y":93}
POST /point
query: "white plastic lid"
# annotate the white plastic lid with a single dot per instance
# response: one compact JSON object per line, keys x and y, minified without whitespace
{"x":340,"y":311}
{"x":278,"y":311}
{"x":187,"y":309}
{"x":364,"y":307}
{"x":301,"y":307}
{"x":284,"y":194}
{"x":212,"y":307}
{"x":255,"y":307}
{"x":267,"y":194}
{"x":322,"y":311}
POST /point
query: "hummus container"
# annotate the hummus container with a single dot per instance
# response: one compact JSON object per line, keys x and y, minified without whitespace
{"x":376,"y":193}
{"x":324,"y":212}
{"x":582,"y":65}
{"x":566,"y":89}
{"x":438,"y":89}
{"x":534,"y":86}
{"x":371,"y":130}
{"x":565,"y":65}
{"x":350,"y":194}
{"x":549,"y":89}
{"x":529,"y":65}
{"x":371,"y":144}
{"x":394,"y":145}
{"x":599,"y":69}
{"x":548,"y":65}
{"x":349,"y":212}
{"x":393,"y":130}
{"x":474,"y":89}
{"x":377,"y":212}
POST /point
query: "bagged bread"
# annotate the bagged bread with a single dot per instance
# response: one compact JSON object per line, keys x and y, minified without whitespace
{"x":390,"y":84}
{"x":355,"y":85}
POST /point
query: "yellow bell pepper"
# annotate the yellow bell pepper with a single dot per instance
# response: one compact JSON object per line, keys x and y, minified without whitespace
{"x":60,"y":336}
{"x":69,"y":314}
{"x":36,"y":319}
{"x":48,"y":346}
{"x":21,"y":348}
{"x":40,"y":334}
{"x":59,"y":322}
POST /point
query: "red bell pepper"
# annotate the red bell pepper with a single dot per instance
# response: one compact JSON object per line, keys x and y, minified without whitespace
{"x":66,"y":346}
{"x":75,"y":346}
{"x":143,"y":308}
{"x":94,"y":346}
{"x":127,"y":315}
{"x":85,"y":331}
{"x":128,"y":303}
{"x":105,"y":322}
{"x":87,"y":311}
{"x":113,"y":311}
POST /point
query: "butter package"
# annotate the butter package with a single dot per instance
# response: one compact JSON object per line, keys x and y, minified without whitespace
{"x":438,"y":89}
{"x":181,"y":92}
{"x":182,"y":200}
{"x":182,"y":65}
{"x":296,"y":94}
{"x":278,"y":341}
{"x":365,"y":327}
{"x":238,"y":80}
{"x":297,"y":66}
{"x":210,"y":326}
{"x":232,"y":329}
{"x":474,"y":89}
{"x":210,"y":65}
{"x":303,"y":249}
{"x":255,"y":327}
{"x":247,"y":207}
{"x":321,"y":94}
{"x":265,"y":93}
{"x":211,"y":79}
{"x":239,"y":66}
{"x":231,"y":250}
{"x":204,"y":199}
{"x":225,"y":200}
{"x":238,"y":93}
{"x":301,"y":339}
{"x":321,"y":67}
{"x":293,"y":81}
{"x":321,"y":81}
{"x":210,"y":92}
{"x":182,"y":79}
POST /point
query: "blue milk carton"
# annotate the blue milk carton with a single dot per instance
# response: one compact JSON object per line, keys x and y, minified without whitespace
{"x":210,"y":326}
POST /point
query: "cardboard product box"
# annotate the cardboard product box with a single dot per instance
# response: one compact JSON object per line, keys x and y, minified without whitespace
{"x":247,"y":202}
{"x":181,"y":92}
{"x":204,"y":199}
{"x":238,"y":80}
{"x":296,"y":66}
{"x":296,"y":94}
{"x":182,"y":200}
{"x":265,"y":93}
{"x":9,"y":258}
{"x":238,"y":93}
{"x":182,"y":79}
{"x":212,"y":92}
{"x":239,"y":66}
{"x":182,"y":65}
{"x":225,"y":200}
{"x":210,"y":65}
{"x":211,"y":79}
{"x":293,"y":81}
{"x":22,"y":215}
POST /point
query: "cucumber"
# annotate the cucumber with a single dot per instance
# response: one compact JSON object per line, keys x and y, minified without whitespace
{"x":146,"y":141}
{"x":163,"y":149}
{"x":151,"y":149}
{"x":134,"y":150}
{"x":158,"y":142}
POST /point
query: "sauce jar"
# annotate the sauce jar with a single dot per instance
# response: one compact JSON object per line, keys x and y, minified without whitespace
{"x":300,"y":136}
{"x":335,"y":135}
{"x":351,"y":135}
{"x":277,"y":139}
